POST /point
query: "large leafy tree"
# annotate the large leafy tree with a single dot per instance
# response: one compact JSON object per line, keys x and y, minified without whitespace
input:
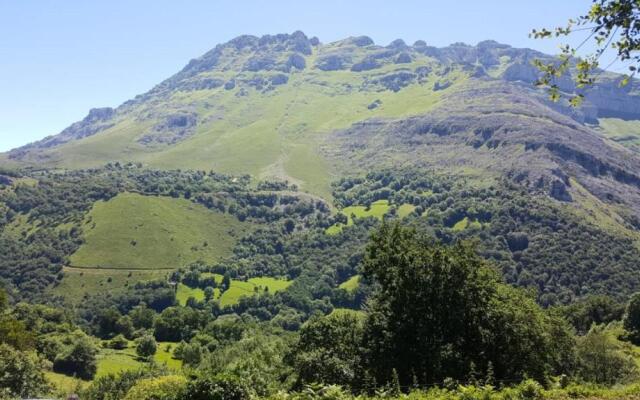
{"x":329,"y":350}
{"x":611,"y":24}
{"x":21,"y":374}
{"x":441,"y":312}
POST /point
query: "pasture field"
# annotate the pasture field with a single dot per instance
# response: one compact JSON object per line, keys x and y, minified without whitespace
{"x":132,"y":231}
{"x":350,"y":284}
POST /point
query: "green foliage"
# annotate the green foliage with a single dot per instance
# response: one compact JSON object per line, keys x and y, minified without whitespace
{"x":632,"y":318}
{"x":170,"y":387}
{"x":601,"y":358}
{"x":612,"y":24}
{"x":119,"y":342}
{"x":144,"y":232}
{"x":592,"y":310}
{"x":461,"y":313}
{"x":146,"y":346}
{"x":21,"y":374}
{"x":328,"y":350}
{"x":115,"y":387}
{"x":78,"y":358}
{"x":219,"y":387}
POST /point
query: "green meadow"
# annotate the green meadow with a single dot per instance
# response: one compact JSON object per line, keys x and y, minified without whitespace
{"x":132,"y":231}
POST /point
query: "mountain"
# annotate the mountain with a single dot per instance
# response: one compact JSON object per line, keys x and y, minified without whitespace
{"x":352,"y":123}
{"x":271,"y":107}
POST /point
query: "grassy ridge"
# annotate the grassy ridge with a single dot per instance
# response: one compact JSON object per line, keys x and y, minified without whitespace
{"x":139,"y":232}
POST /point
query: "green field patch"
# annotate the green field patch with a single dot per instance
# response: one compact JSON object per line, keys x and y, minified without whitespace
{"x":184,"y":292}
{"x":351,"y":284}
{"x":112,"y":361}
{"x":240,"y":289}
{"x":377,"y":210}
{"x":78,"y":282}
{"x":132,"y":231}
{"x":405,"y":210}
{"x":466,"y":223}
{"x":626,"y":133}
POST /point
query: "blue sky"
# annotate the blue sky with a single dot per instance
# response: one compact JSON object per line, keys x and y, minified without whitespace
{"x":60,"y":58}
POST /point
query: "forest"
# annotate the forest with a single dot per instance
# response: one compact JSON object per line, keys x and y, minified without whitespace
{"x":315,"y":304}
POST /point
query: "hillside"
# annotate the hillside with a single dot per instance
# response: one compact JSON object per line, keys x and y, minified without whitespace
{"x":455,"y":140}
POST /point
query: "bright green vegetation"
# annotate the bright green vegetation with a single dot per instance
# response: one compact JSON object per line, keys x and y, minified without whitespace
{"x":405,"y":209}
{"x":114,"y":361}
{"x":237,"y":289}
{"x":240,"y":289}
{"x":80,"y":282}
{"x":185,"y":292}
{"x":466,"y":223}
{"x":377,"y":210}
{"x":133,"y":231}
{"x":625,"y":132}
{"x":350,"y":284}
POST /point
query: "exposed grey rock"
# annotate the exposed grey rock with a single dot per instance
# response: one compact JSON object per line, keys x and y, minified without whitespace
{"x":279,"y":79}
{"x":403,"y":58}
{"x":263,"y":63}
{"x":441,"y":85}
{"x":296,"y":61}
{"x":365,"y":65}
{"x":397,"y":44}
{"x":396,"y":81}
{"x":361,"y":41}
{"x":175,"y":128}
{"x":333,"y":62}
{"x":202,"y":84}
{"x":423,"y":71}
{"x":375,"y":104}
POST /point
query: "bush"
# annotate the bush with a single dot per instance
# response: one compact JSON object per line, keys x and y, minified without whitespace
{"x":171,"y":387}
{"x":219,"y":387}
{"x":78,"y":359}
{"x":146,"y":346}
{"x":119,"y":342}
{"x":20,"y":374}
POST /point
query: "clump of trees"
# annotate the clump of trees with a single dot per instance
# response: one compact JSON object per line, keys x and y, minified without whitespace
{"x":436,"y":313}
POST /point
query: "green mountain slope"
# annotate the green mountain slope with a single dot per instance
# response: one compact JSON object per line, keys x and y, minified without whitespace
{"x":324,"y":117}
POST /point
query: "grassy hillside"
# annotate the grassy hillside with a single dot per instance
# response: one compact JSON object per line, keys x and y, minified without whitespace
{"x":626,"y":133}
{"x":133,"y":231}
{"x":78,"y":282}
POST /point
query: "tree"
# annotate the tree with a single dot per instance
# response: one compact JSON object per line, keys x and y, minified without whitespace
{"x":592,"y":310}
{"x":219,"y":387}
{"x":328,"y":350}
{"x":208,"y":293}
{"x":601,"y":358}
{"x":146,"y":346}
{"x":21,"y":374}
{"x":611,"y":24}
{"x":632,"y":318}
{"x":441,"y":312}
{"x":171,"y":387}
{"x":142,"y":317}
{"x":78,"y":358}
{"x":191,"y":354}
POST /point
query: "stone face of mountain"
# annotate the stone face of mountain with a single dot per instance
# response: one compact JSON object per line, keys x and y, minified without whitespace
{"x":291,"y":107}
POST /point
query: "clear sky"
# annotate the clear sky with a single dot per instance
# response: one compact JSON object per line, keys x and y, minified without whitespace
{"x":60,"y":58}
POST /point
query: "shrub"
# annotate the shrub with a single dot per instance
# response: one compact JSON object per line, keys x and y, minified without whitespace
{"x":171,"y":387}
{"x":220,"y":387}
